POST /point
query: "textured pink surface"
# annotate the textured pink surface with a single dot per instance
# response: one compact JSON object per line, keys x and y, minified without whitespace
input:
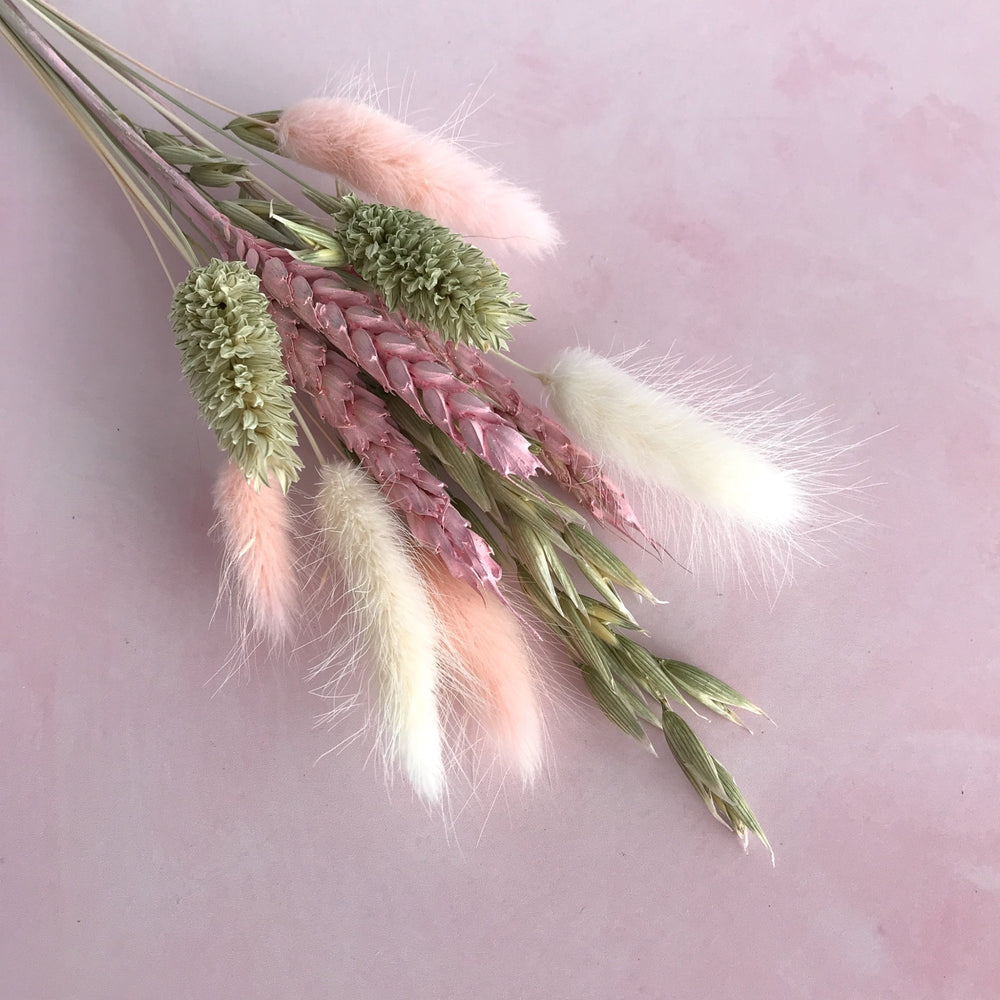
{"x":810,"y":190}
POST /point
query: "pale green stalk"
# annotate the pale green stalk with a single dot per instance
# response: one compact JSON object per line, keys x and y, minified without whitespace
{"x":117,"y":63}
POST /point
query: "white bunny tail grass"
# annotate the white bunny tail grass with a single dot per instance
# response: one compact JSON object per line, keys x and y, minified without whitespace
{"x":744,"y":483}
{"x":258,"y":563}
{"x":359,"y":531}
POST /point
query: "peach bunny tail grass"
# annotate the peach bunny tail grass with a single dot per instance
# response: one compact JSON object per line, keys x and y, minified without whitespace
{"x":397,"y":165}
{"x":259,"y":555}
{"x":484,"y":639}
{"x":359,"y":531}
{"x":750,"y":482}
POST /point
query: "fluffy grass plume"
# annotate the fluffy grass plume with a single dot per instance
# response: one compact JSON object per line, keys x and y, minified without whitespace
{"x":362,"y":535}
{"x":736,"y":481}
{"x":483,"y":637}
{"x":398,"y":165}
{"x":258,"y":560}
{"x":231,"y":356}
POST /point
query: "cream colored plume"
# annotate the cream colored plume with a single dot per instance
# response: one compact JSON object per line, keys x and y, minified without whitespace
{"x":731,"y":474}
{"x":359,"y":531}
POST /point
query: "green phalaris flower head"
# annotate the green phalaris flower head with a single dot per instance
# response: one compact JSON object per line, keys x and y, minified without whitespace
{"x":427,"y":271}
{"x":231,"y":356}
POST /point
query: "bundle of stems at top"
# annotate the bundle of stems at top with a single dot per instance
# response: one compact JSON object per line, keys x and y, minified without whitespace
{"x":445,"y":500}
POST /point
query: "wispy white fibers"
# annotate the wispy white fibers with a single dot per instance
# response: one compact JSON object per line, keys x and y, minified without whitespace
{"x":729,"y":469}
{"x":360,"y":532}
{"x":652,"y":434}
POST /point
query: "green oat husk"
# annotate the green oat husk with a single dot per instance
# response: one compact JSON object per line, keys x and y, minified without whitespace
{"x":619,"y":705}
{"x":707,"y":689}
{"x":231,"y":356}
{"x":257,"y":129}
{"x":713,"y":783}
{"x":208,"y":167}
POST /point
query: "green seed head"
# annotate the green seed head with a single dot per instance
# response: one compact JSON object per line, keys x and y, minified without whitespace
{"x":231,"y":356}
{"x":428,"y":272}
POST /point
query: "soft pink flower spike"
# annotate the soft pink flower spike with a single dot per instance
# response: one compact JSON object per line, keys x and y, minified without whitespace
{"x":397,"y":165}
{"x":484,"y":636}
{"x":259,"y":558}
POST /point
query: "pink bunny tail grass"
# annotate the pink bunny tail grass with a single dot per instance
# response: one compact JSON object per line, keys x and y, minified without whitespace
{"x":397,"y":165}
{"x":484,"y":638}
{"x":259,"y":555}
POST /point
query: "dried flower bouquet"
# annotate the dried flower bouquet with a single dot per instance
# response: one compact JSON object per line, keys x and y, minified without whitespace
{"x":373,"y":332}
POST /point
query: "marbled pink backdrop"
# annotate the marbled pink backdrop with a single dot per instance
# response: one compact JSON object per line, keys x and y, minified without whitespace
{"x":807,"y":189}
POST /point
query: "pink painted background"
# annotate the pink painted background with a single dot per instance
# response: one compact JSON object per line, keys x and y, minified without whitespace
{"x":810,"y":190}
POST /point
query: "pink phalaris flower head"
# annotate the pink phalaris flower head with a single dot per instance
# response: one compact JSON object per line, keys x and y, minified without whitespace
{"x":398,"y":165}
